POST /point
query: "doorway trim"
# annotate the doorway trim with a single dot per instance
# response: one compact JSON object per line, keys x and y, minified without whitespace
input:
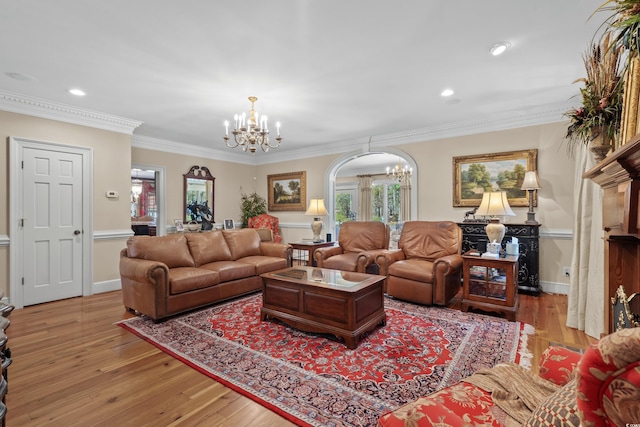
{"x":161,"y":220}
{"x":16,"y":241}
{"x":330,"y":179}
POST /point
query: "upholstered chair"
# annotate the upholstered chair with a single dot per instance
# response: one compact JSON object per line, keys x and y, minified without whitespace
{"x":427,"y":267}
{"x":266,"y":221}
{"x":358,"y":244}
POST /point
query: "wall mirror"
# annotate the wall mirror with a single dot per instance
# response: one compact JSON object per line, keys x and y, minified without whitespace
{"x":198,"y":196}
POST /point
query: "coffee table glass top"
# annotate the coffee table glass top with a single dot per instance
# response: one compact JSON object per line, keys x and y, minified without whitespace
{"x":344,"y":279}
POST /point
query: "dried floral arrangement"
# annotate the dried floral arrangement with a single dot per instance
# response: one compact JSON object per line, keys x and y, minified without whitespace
{"x":601,"y":95}
{"x":624,"y":23}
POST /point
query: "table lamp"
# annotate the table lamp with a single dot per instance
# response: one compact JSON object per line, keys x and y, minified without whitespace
{"x":493,"y":204}
{"x":531,"y":184}
{"x":317,"y":209}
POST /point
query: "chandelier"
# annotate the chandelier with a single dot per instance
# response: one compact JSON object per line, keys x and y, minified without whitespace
{"x":251,"y":132}
{"x":399,"y":172}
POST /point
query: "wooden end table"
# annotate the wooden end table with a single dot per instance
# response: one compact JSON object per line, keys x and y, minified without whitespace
{"x":341,"y":303}
{"x":490,"y":283}
{"x":310,"y":248}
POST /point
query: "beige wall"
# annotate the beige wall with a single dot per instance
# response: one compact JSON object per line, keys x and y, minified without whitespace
{"x":435,"y":185}
{"x":111,"y":165}
{"x":113,"y":156}
{"x":230,"y":178}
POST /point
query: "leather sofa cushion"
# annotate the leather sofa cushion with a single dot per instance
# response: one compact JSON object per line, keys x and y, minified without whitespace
{"x":429,"y":239}
{"x":358,"y":236}
{"x":414,"y":269}
{"x":264,"y":264}
{"x":171,"y":250}
{"x":346,"y":262}
{"x":243,"y":242}
{"x":208,"y":247}
{"x":184,"y":279}
{"x":231,"y":270}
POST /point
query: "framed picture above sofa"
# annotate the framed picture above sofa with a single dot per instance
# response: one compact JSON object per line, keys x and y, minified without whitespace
{"x":476,"y":174}
{"x":287,"y":191}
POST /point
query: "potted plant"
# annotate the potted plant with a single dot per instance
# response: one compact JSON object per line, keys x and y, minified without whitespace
{"x":597,"y":121}
{"x":252,"y":204}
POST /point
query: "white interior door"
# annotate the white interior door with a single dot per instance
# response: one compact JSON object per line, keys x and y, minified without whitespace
{"x":52,"y":225}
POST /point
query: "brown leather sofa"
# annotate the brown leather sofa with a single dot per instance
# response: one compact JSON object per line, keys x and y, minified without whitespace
{"x":427,"y":267}
{"x":166,"y":275}
{"x":358,"y":244}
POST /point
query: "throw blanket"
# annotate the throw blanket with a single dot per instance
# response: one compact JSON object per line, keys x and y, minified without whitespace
{"x":514,"y":390}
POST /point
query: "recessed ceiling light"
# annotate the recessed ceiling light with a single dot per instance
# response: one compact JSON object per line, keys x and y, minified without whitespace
{"x":77,"y":92}
{"x":446,"y":92}
{"x":499,"y":48}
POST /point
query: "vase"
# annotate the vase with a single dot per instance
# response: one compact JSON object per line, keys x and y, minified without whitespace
{"x":599,"y":143}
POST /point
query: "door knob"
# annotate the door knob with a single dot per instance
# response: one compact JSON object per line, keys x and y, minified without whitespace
{"x":77,"y":232}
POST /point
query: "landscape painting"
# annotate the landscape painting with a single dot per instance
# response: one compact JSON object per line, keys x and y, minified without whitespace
{"x":287,"y":191}
{"x":474,"y":175}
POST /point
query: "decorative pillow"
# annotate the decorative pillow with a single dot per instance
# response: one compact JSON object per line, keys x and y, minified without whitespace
{"x":557,"y":364}
{"x":559,"y":409}
{"x":608,"y":380}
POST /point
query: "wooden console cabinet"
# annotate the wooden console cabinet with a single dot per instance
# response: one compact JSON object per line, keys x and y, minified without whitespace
{"x":619,"y":176}
{"x":475,"y":237}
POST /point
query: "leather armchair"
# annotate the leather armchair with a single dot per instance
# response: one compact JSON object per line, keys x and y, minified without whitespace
{"x":358,"y":244}
{"x":427,"y":267}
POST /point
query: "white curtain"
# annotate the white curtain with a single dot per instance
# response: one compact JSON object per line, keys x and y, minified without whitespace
{"x":586,"y":285}
{"x":364,"y":201}
{"x":405,"y":199}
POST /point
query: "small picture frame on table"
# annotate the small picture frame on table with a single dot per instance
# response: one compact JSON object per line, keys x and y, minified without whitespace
{"x":179,"y":225}
{"x":228,"y":224}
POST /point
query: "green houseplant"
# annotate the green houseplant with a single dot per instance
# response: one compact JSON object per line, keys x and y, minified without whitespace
{"x":599,"y":116}
{"x":252,"y":204}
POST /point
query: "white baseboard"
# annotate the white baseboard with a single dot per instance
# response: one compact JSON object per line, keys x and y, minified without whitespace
{"x":107,"y":286}
{"x":555,"y":288}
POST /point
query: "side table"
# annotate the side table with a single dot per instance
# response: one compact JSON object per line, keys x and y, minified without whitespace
{"x":490,"y":283}
{"x":310,"y":247}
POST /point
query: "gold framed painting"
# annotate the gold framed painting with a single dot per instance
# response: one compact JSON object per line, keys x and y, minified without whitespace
{"x":474,"y":175}
{"x":287,"y":191}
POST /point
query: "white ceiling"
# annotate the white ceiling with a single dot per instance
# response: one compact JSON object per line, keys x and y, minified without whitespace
{"x":333,"y":72}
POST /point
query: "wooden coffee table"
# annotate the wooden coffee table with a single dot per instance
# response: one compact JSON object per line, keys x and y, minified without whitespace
{"x":312,"y":299}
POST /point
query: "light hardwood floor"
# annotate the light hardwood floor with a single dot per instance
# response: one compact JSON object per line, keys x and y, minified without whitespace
{"x":73,"y":367}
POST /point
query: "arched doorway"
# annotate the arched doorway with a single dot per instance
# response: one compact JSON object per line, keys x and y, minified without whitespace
{"x":366,"y":163}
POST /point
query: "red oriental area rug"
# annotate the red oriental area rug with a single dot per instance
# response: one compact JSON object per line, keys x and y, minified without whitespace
{"x":314,"y":380}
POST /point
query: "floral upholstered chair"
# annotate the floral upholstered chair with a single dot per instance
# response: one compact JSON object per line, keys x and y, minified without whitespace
{"x":599,"y":388}
{"x":266,"y":221}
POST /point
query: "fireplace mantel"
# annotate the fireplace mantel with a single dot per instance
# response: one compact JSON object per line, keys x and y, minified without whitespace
{"x":619,"y":176}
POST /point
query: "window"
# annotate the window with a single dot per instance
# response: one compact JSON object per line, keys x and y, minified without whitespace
{"x":385,"y":197}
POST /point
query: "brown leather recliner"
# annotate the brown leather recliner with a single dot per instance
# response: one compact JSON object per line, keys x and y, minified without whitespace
{"x":427,"y":267}
{"x":358,"y":244}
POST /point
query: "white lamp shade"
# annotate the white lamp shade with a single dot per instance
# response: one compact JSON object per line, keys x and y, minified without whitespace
{"x":495,"y":203}
{"x":316,"y":208}
{"x":530,"y":181}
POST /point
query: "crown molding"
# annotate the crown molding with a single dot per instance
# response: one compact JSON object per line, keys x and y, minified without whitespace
{"x":32,"y":106}
{"x":516,"y":118}
{"x":158,"y":144}
{"x":531,"y":116}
